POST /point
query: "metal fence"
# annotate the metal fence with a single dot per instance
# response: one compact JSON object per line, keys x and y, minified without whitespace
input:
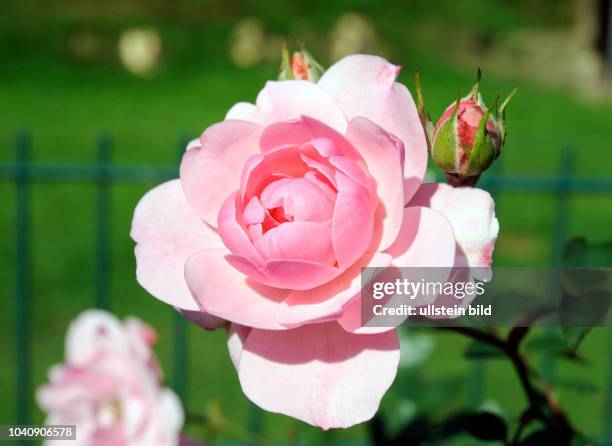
{"x":22,"y":173}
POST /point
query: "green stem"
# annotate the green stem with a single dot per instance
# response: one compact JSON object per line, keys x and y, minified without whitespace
{"x":539,"y":406}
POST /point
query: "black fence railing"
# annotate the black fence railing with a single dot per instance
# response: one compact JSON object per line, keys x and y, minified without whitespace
{"x":22,"y":173}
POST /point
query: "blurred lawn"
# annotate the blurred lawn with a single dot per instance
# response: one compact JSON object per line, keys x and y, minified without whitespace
{"x":66,"y":104}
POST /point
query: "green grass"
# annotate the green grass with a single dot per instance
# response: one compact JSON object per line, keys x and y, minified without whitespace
{"x":66,"y":105}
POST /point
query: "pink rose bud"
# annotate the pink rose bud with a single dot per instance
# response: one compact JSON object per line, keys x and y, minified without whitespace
{"x":299,"y":66}
{"x":468,"y":137}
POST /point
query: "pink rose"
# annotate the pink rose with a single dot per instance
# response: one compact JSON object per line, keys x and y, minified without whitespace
{"x":279,"y":207}
{"x":109,"y":386}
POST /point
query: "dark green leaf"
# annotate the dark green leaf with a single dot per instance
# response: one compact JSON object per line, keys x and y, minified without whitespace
{"x":577,"y":385}
{"x":481,"y":350}
{"x":574,"y":336}
{"x":580,"y":253}
{"x":586,"y":295}
{"x":552,"y":343}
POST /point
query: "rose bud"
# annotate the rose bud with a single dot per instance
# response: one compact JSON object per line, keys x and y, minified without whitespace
{"x":468,"y":137}
{"x":299,"y":66}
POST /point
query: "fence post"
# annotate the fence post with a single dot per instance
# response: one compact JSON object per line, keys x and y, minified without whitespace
{"x":254,"y":419}
{"x":102,"y":278}
{"x":22,"y":278}
{"x":566,"y":171}
{"x":607,"y":410}
{"x":180,"y":368}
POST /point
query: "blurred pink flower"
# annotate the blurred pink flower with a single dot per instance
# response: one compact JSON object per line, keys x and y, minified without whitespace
{"x":109,"y":386}
{"x":279,"y":207}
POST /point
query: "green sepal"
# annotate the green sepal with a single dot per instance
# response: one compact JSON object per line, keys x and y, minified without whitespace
{"x":501,"y":116}
{"x":474,"y":93}
{"x":285,"y":73}
{"x":482,"y":153}
{"x":445,"y":143}
{"x":315,"y":69}
{"x":426,"y":121}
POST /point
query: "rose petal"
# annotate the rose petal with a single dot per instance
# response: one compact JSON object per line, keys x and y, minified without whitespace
{"x":300,"y":198}
{"x":286,"y":100}
{"x":209,"y":173}
{"x":348,"y":167}
{"x":93,"y":333}
{"x":302,"y":131}
{"x":365,"y":86}
{"x":383,"y":159}
{"x":298,"y":274}
{"x":170,"y":413}
{"x":319,"y":373}
{"x":426,"y":239}
{"x":222,"y":290}
{"x":204,"y":320}
{"x":242,"y":111}
{"x":262,"y":169}
{"x":236,"y":335}
{"x":232,"y":232}
{"x":353,"y":221}
{"x":167,"y":231}
{"x":471,"y":213}
{"x":351,"y":321}
{"x":298,"y":240}
{"x":326,"y":301}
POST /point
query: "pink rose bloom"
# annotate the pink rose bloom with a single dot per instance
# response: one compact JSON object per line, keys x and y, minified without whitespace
{"x":109,"y":386}
{"x":279,"y":207}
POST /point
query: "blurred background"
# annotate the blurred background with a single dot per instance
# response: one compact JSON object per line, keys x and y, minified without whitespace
{"x":87,"y":83}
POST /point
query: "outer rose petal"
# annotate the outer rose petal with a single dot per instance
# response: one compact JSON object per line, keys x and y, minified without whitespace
{"x":383,"y":158}
{"x":326,"y":301}
{"x":203,"y":319}
{"x":471,"y":213}
{"x":242,"y":111}
{"x":285,"y":100}
{"x":193,"y":143}
{"x":318,"y":373}
{"x":209,"y":173}
{"x":425,"y":240}
{"x":285,"y":274}
{"x":236,"y":335}
{"x":227,"y":293}
{"x":365,"y":86}
{"x":167,"y":231}
{"x":298,"y":274}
